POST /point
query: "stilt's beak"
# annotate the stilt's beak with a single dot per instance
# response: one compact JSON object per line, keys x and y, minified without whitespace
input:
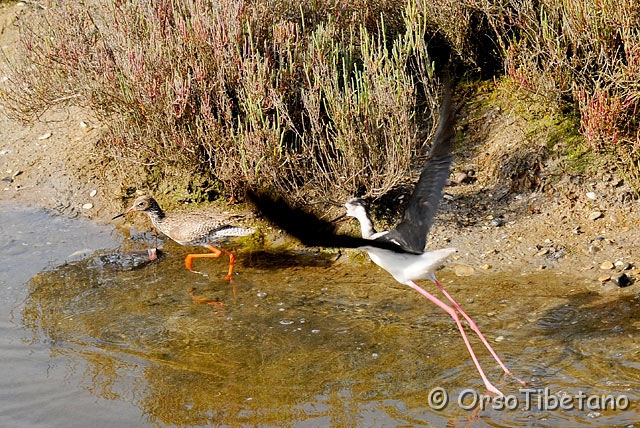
{"x":124,"y":213}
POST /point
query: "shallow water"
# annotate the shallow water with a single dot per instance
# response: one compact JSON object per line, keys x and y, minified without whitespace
{"x":90,"y":336}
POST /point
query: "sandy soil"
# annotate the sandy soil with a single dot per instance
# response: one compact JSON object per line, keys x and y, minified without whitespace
{"x":58,"y":163}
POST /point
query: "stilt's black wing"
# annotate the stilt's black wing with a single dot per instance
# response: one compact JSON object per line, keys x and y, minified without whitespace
{"x":308,"y":228}
{"x":411,"y":232}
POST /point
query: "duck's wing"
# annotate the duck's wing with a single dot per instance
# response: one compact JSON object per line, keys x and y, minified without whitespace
{"x":308,"y":228}
{"x":411,"y":232}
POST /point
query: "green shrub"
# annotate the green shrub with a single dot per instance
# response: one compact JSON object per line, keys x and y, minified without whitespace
{"x":316,"y":99}
{"x":303,"y":98}
{"x":586,"y":52}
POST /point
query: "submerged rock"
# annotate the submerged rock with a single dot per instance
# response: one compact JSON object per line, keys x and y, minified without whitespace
{"x":462,"y":270}
{"x":129,"y":260}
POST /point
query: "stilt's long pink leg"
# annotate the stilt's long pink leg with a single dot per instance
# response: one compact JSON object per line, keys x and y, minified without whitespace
{"x":448,"y":309}
{"x":476,"y":329}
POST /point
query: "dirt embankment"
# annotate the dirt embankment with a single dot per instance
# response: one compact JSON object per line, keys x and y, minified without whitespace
{"x":504,"y":209}
{"x":573,"y":226}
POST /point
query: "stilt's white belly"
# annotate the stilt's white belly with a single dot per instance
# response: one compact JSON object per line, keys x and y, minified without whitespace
{"x":406,"y":267}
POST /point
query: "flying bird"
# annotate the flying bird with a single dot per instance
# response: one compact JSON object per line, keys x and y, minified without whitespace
{"x":400,"y":251}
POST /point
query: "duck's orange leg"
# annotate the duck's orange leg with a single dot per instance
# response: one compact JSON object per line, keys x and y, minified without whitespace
{"x":215,"y":253}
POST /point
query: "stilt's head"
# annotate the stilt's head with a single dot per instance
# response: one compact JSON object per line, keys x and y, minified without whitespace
{"x":144,"y":203}
{"x":356,"y":207}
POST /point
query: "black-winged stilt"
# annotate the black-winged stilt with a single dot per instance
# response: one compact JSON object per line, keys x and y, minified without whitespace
{"x":400,"y":251}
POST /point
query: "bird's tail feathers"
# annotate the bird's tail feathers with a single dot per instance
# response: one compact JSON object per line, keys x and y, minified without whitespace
{"x":234,"y":231}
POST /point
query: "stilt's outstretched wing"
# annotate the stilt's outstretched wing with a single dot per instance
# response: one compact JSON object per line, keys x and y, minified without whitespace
{"x":411,"y":232}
